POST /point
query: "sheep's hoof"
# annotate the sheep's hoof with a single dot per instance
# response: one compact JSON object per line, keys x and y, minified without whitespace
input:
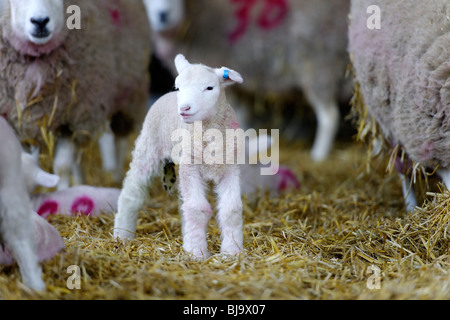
{"x":232,"y":251}
{"x":198,"y":254}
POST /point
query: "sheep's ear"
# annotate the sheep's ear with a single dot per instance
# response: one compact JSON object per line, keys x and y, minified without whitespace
{"x":229,"y":76}
{"x":181,"y":63}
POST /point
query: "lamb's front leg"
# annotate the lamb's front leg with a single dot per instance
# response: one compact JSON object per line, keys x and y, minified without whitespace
{"x":196,"y":212}
{"x":230,"y":212}
{"x":17,"y":230}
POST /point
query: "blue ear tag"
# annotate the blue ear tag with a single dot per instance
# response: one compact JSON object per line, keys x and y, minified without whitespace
{"x":226,"y":74}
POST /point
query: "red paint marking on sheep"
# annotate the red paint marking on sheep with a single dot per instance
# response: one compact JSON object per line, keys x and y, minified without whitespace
{"x":286,"y":177}
{"x":271,"y":16}
{"x":116,"y":17}
{"x":49,"y":207}
{"x":84,"y":205}
{"x":235,"y":125}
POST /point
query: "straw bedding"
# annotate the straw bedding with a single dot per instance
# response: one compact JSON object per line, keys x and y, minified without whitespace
{"x":318,"y":242}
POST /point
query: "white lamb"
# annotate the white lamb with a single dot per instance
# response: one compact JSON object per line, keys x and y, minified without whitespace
{"x":200,"y":98}
{"x":24,"y":236}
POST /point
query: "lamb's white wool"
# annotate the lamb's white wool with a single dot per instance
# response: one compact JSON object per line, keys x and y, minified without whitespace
{"x":200,"y":97}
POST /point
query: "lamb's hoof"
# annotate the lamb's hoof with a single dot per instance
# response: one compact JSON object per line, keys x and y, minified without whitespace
{"x":232,"y":251}
{"x":35,"y":283}
{"x":198,"y":254}
{"x":123,"y":235}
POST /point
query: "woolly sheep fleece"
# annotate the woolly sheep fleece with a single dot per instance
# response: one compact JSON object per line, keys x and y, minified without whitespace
{"x":404,"y":73}
{"x":307,"y":49}
{"x":97,"y":71}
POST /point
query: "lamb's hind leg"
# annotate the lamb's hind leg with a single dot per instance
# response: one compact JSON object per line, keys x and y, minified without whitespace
{"x":230,"y":212}
{"x":18,"y":235}
{"x":196,"y":212}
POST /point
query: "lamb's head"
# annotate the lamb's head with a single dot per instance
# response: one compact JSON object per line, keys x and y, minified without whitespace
{"x":164,"y":14}
{"x":200,"y":88}
{"x":36,"y":26}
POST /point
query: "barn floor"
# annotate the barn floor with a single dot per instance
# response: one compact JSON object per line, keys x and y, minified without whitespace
{"x":343,"y":235}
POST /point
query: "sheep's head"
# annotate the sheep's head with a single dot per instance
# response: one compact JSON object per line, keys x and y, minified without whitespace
{"x":200,"y":87}
{"x":164,"y":14}
{"x":36,"y":24}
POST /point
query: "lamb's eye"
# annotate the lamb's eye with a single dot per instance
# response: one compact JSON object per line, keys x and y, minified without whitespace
{"x":210,"y":88}
{"x":174,"y":88}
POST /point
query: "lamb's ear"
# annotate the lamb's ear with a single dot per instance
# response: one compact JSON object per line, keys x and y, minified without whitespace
{"x":181,"y":63}
{"x":34,"y":152}
{"x":45,"y":179}
{"x":229,"y":76}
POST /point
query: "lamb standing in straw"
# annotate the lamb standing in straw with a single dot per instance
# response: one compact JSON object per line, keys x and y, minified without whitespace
{"x":200,"y":98}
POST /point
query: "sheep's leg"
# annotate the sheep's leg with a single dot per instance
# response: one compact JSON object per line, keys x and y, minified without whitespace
{"x":108,"y":151}
{"x":64,"y":162}
{"x":122,"y":150}
{"x":327,"y":114}
{"x":131,"y":200}
{"x":444,"y":173}
{"x":229,"y":214}
{"x":114,"y":150}
{"x":408,"y":192}
{"x":18,"y":236}
{"x":196,"y":212}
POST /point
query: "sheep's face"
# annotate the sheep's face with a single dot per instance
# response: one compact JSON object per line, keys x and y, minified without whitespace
{"x":199,"y":89}
{"x":37,"y":21}
{"x":198,"y":92}
{"x":164,"y":14}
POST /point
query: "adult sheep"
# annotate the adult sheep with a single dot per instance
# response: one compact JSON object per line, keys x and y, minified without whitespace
{"x":69,"y":84}
{"x":279,"y":45}
{"x":403,"y":69}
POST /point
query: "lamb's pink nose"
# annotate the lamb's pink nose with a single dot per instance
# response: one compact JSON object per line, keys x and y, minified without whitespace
{"x":186,"y":108}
